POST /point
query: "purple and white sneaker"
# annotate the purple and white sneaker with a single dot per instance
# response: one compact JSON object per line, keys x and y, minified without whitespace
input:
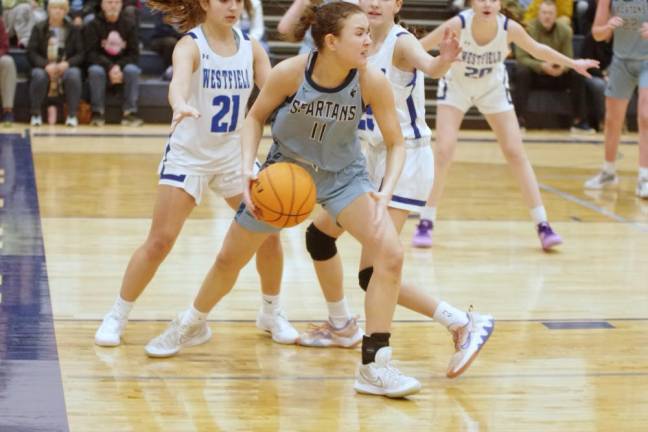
{"x":548,"y":238}
{"x":423,"y":235}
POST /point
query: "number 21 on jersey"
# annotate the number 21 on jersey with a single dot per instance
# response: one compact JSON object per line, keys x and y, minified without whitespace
{"x":225,"y":104}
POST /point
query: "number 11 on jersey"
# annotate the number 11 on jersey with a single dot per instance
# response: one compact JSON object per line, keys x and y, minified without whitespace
{"x":317,"y":133}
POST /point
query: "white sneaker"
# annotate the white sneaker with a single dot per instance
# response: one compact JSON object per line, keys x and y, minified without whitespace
{"x":642,"y":188}
{"x":469,"y":340}
{"x":326,"y":335}
{"x":381,"y":378}
{"x":36,"y":120}
{"x":109,"y":332}
{"x":602,"y":180}
{"x":178,"y":336}
{"x":278,"y":326}
{"x":71,"y":121}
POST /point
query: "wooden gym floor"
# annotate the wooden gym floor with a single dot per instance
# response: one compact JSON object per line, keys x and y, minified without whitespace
{"x":569,"y":352}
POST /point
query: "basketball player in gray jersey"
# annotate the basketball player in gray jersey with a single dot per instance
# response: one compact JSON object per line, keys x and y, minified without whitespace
{"x":317,"y":101}
{"x":627,"y":20}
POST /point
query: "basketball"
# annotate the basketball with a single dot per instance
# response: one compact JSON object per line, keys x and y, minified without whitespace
{"x":284,"y":194}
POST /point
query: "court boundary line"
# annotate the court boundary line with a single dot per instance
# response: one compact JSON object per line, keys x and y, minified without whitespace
{"x":591,"y":206}
{"x":439,"y":377}
{"x":402,"y":321}
{"x":530,"y":140}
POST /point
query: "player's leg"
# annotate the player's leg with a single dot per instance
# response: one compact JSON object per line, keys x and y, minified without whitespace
{"x":642,"y":121}
{"x":190,"y":327}
{"x":172,"y":207}
{"x":376,"y":375}
{"x":506,"y":129}
{"x":448,"y":122}
{"x":341,"y":328}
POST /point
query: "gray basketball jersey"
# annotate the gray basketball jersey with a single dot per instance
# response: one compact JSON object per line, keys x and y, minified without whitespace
{"x":628,"y":43}
{"x":318,"y":125}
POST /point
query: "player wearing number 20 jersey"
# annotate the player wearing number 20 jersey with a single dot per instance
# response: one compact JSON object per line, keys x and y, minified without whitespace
{"x":206,"y":151}
{"x":480,"y":77}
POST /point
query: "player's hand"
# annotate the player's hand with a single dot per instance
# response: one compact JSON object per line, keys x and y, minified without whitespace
{"x":449,"y":48}
{"x":382,"y":200}
{"x":181,"y":111}
{"x":644,"y":30}
{"x":248,"y":180}
{"x":614,"y":22}
{"x":581,"y":66}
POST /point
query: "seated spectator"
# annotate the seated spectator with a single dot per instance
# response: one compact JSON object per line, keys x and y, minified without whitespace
{"x":564,"y":11}
{"x":55,"y":52}
{"x":112,"y":50}
{"x":595,"y":86}
{"x":252,"y":22}
{"x":7,"y":77}
{"x":20,"y":17}
{"x":163,"y":41}
{"x":536,"y":74}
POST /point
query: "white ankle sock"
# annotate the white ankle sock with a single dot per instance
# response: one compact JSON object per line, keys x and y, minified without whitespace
{"x":193,"y":316}
{"x":609,"y":167}
{"x":428,"y":213}
{"x":643,"y":172}
{"x":338,"y":313}
{"x":539,"y":214}
{"x":122,"y":307}
{"x":448,"y":315}
{"x":270,"y":303}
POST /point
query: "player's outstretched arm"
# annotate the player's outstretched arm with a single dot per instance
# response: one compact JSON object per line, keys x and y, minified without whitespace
{"x":432,"y":40}
{"x":521,"y":38}
{"x":262,"y":65}
{"x":409,"y":51}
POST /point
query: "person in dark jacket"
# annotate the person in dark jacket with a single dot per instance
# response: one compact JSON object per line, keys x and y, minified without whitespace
{"x":112,"y":51}
{"x":55,"y":52}
{"x":163,"y":41}
{"x":7,"y":77}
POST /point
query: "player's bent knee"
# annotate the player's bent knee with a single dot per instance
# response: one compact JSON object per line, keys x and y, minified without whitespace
{"x":319,"y":245}
{"x":364,"y":277}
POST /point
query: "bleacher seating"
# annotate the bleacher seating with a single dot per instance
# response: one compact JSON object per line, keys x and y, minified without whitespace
{"x":423,"y":14}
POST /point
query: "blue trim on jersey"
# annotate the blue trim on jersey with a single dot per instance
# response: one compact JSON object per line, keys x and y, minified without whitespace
{"x":246,"y":35}
{"x":193,"y":35}
{"x":412,"y":109}
{"x":402,"y":33}
{"x":463,"y":21}
{"x":410,"y":201}
{"x":506,"y":20}
{"x":309,"y":71}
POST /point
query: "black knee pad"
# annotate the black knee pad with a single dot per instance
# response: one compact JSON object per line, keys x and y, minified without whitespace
{"x":364,"y":276}
{"x":320,"y":246}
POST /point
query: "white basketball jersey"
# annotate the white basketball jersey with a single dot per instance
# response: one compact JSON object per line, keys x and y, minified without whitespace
{"x":480,"y":65}
{"x":409,"y":93}
{"x":220,"y":89}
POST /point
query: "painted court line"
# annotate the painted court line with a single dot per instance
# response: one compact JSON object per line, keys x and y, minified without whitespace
{"x":589,"y":205}
{"x":564,"y":376}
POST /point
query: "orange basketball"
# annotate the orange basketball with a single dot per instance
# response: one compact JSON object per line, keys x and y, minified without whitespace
{"x":284,"y":194}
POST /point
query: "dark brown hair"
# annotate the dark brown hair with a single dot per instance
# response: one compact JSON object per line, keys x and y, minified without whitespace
{"x":186,"y":14}
{"x":325,"y":19}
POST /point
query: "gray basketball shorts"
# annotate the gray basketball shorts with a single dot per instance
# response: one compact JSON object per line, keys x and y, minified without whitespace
{"x":624,"y":76}
{"x":335,"y":190}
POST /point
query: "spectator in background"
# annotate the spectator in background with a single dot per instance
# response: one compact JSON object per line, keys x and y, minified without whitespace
{"x":112,"y":50}
{"x":531,"y":73}
{"x":7,"y":77}
{"x":55,"y":52}
{"x":163,"y":41}
{"x":251,"y":21}
{"x":564,"y":11}
{"x":20,"y":17}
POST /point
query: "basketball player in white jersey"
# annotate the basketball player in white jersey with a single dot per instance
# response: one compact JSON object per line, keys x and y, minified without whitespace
{"x":397,"y":53}
{"x":214,"y":69}
{"x":480,"y":79}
